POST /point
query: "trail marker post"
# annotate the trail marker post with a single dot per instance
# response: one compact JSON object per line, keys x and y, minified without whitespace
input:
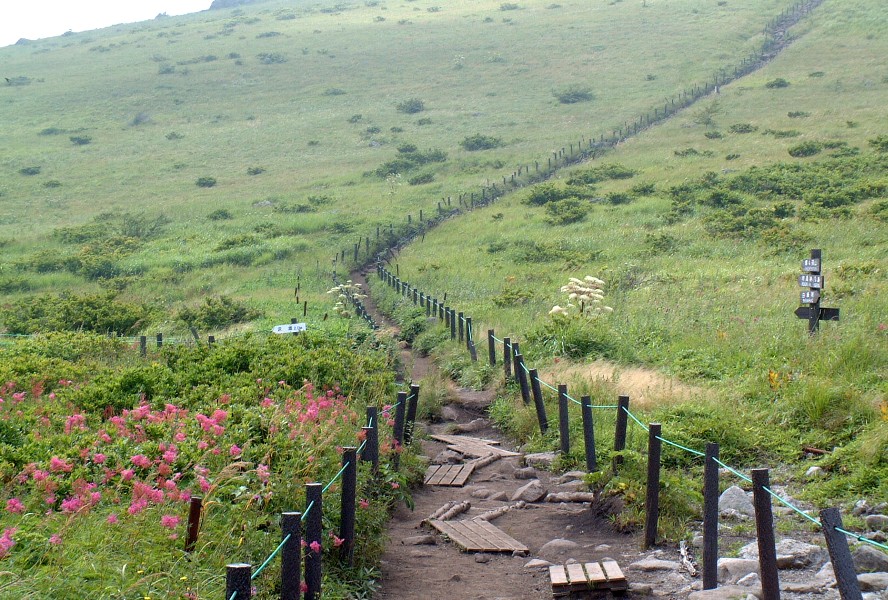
{"x":813,"y":279}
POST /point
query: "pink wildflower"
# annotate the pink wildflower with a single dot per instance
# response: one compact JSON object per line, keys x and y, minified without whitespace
{"x":235,"y":450}
{"x":127,"y":474}
{"x":99,"y":458}
{"x":57,"y":465}
{"x":315,"y":546}
{"x":14,"y":505}
{"x":263,"y":473}
{"x":71,"y":505}
{"x":337,"y":541}
{"x":169,"y":521}
{"x":55,"y":539}
{"x":112,"y":519}
{"x":363,"y":503}
{"x":141,"y":461}
{"x":6,"y":541}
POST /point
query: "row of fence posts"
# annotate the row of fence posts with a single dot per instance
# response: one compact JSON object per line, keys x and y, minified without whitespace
{"x":239,"y":576}
{"x":514,"y":368}
{"x":583,"y":149}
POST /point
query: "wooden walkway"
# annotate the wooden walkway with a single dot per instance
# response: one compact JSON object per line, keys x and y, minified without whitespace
{"x":593,"y":576}
{"x":472,"y":446}
{"x":449,"y":475}
{"x":478,"y":536}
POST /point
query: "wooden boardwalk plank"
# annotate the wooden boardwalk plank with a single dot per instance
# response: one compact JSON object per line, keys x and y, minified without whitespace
{"x":448,"y":475}
{"x":596,"y":574}
{"x":558,"y":575}
{"x":494,"y":532}
{"x":473,"y":446}
{"x":463,"y":476}
{"x":478,"y":536}
{"x":615,"y":577}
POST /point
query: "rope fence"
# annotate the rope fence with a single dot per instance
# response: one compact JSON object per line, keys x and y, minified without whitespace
{"x":531,"y":384}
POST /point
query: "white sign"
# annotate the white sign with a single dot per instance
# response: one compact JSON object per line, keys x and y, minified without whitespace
{"x":811,"y":281}
{"x":810,"y":296}
{"x":811,"y":265}
{"x":290,"y":328}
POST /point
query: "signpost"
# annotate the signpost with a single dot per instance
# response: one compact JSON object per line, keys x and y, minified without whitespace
{"x":289,"y":328}
{"x":813,"y":280}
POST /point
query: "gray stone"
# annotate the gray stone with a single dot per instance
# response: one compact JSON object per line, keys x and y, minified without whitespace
{"x":532,"y":491}
{"x":815,"y":472}
{"x":751,"y":580}
{"x":791,"y":554}
{"x":499,"y":496}
{"x":447,"y":457}
{"x":575,"y":474}
{"x":861,"y":507}
{"x":449,"y":413}
{"x":573,"y":486}
{"x":877,"y":522}
{"x":877,"y":536}
{"x":481,"y":493}
{"x":419,"y":540}
{"x":525,"y":473}
{"x":473,"y":425}
{"x":734,"y":498}
{"x":873,"y":582}
{"x":697,"y":542}
{"x":537,"y":563}
{"x":540,"y":459}
{"x":826,"y":575}
{"x":654,"y":564}
{"x":869,"y":560}
{"x":480,"y":557}
{"x":557,"y":549}
{"x":641,"y":589}
{"x":602,"y":548}
{"x":807,"y":587}
{"x":727,"y":592}
{"x":730,"y":570}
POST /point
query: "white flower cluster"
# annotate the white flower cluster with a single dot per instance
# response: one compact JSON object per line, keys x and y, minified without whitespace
{"x":346,"y":292}
{"x":588,"y":292}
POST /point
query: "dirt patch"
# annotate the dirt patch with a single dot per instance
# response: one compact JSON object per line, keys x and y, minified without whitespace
{"x":645,"y":387}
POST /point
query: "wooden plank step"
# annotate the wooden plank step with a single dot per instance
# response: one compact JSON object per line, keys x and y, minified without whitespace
{"x":448,"y":475}
{"x":478,"y":536}
{"x":471,"y":446}
{"x":575,"y":577}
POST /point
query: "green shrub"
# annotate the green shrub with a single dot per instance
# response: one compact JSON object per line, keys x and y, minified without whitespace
{"x":601,"y":173}
{"x":809,"y":148}
{"x":80,"y":140}
{"x":782,"y":133}
{"x":220,"y":214}
{"x":660,"y":243}
{"x":30,"y":171}
{"x":206,"y":182}
{"x":509,"y":6}
{"x":355,"y":118}
{"x":779,"y":82}
{"x":271,"y":58}
{"x":798,"y":114}
{"x":480,"y":142}
{"x":574,"y":94}
{"x":879,"y":143}
{"x":575,"y":338}
{"x":644,"y":189}
{"x":100,"y":313}
{"x":544,"y":193}
{"x":411,"y":106}
{"x":714,"y":135}
{"x":616,"y":198}
{"x":743,"y":128}
{"x":424,"y":121}
{"x":255,"y":170}
{"x":421,"y":179}
{"x":879,"y":210}
{"x":566,"y":211}
{"x":217,"y":313}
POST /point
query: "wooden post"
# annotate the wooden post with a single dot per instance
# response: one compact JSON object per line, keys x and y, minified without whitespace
{"x":441,"y":311}
{"x":522,"y":378}
{"x":491,"y":347}
{"x":459,"y":321}
{"x":469,"y":336}
{"x":159,"y":340}
{"x":400,"y":412}
{"x":710,"y":518}
{"x":410,"y":418}
{"x":143,"y":346}
{"x":194,"y":509}
{"x":563,"y":421}
{"x":305,"y":308}
{"x":507,"y":358}
{"x":291,"y":565}
{"x":211,"y":340}
{"x":588,"y":434}
{"x":652,"y":497}
{"x":620,"y":431}
{"x":237,"y":581}
{"x":313,"y":533}
{"x":453,"y":324}
{"x":538,"y":401}
{"x":347,"y":507}
{"x":764,"y":527}
{"x":447,"y":317}
{"x":839,"y":554}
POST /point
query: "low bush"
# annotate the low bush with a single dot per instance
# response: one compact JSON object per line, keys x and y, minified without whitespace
{"x":411,"y":106}
{"x":574,"y":94}
{"x":220,"y":214}
{"x":217,"y":313}
{"x":271,"y":58}
{"x":206,"y":182}
{"x":476,"y":142}
{"x":255,"y":170}
{"x":100,"y":313}
{"x":809,"y":148}
{"x":779,"y":82}
{"x":601,"y":173}
{"x":421,"y":179}
{"x":743,"y":128}
{"x":29,"y":171}
{"x":566,"y":211}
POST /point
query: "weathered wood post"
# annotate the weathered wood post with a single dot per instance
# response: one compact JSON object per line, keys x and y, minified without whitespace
{"x":538,"y":401}
{"x":193,"y":528}
{"x":347,"y":507}
{"x":143,"y":346}
{"x":412,"y":403}
{"x":710,"y":517}
{"x":764,"y":527}
{"x":453,"y":324}
{"x":588,"y":434}
{"x":400,"y":413}
{"x":620,"y":431}
{"x":159,"y":340}
{"x":563,"y":421}
{"x":839,"y":554}
{"x":291,"y":565}
{"x":507,"y":358}
{"x":313,"y":533}
{"x":237,"y":581}
{"x":460,"y":320}
{"x":652,"y":497}
{"x":371,"y":449}
{"x":522,"y":378}
{"x":491,"y":347}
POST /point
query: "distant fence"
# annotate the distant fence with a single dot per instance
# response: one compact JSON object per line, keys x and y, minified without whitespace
{"x":461,"y":329}
{"x":371,"y":248}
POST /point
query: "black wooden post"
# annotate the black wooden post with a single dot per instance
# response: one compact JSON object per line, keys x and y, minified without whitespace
{"x":452,"y":324}
{"x":291,"y":565}
{"x":589,"y":434}
{"x":410,"y":424}
{"x":159,"y":340}
{"x":563,"y":420}
{"x":143,"y":345}
{"x":652,"y":497}
{"x":521,"y":373}
{"x":442,"y":313}
{"x":211,"y":340}
{"x":347,"y":508}
{"x":507,"y":358}
{"x":538,"y":401}
{"x":710,"y":518}
{"x":620,"y":431}
{"x":313,"y":533}
{"x":764,"y":527}
{"x":469,"y":336}
{"x":516,"y":350}
{"x":237,"y":581}
{"x":491,"y":347}
{"x":839,"y":554}
{"x":371,"y":448}
{"x":460,"y":320}
{"x":400,"y":412}
{"x":194,"y":510}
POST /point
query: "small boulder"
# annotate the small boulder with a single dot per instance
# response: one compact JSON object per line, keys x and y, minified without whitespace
{"x":877,"y":522}
{"x":447,"y":457}
{"x":751,"y":580}
{"x":861,"y":507}
{"x":653,"y":564}
{"x":532,"y":491}
{"x":557,"y":549}
{"x":873,"y":582}
{"x":482,"y":558}
{"x":731,"y":570}
{"x":542,"y":460}
{"x":869,"y":560}
{"x":480,"y":493}
{"x":450,"y":413}
{"x":735,"y":499}
{"x":525,"y":473}
{"x":419,"y":540}
{"x":537,"y":563}
{"x":815,"y":473}
{"x":791,"y":554}
{"x":727,"y":592}
{"x":498,"y":496}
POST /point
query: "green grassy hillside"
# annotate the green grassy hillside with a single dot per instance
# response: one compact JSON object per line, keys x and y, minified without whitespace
{"x":291,"y":110}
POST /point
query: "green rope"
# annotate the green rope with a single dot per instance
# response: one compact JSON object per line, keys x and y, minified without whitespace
{"x":335,"y":477}
{"x":307,"y":510}
{"x":270,"y":557}
{"x":233,"y":595}
{"x":634,"y":418}
{"x":860,"y":538}
{"x":361,"y":447}
{"x":603,"y":406}
{"x":790,"y":505}
{"x":523,"y":366}
{"x":735,"y":472}
{"x":692,"y":451}
{"x":547,"y":385}
{"x":569,"y":397}
{"x":496,"y":339}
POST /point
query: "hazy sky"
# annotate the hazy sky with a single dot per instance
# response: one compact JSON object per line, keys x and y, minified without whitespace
{"x":34,"y":19}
